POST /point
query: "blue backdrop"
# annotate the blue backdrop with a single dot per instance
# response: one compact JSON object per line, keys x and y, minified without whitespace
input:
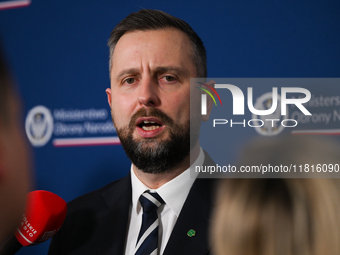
{"x":58,"y":54}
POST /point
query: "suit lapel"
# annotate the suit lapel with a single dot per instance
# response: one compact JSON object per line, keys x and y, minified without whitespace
{"x":112,"y":224}
{"x":195,"y":215}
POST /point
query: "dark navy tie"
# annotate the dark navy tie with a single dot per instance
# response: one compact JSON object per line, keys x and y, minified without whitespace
{"x":147,"y":242}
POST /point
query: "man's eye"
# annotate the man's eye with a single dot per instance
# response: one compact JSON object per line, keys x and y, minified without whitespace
{"x":130,"y":80}
{"x":169,"y":78}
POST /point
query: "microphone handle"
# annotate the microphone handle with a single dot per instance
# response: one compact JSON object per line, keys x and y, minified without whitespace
{"x":10,"y":247}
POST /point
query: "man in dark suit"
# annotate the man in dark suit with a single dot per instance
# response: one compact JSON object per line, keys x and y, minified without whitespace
{"x":157,"y":208}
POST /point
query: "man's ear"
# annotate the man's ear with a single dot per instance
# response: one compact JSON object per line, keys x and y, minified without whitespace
{"x":109,"y":96}
{"x":209,"y":103}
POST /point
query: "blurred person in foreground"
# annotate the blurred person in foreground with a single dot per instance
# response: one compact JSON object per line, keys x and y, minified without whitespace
{"x":14,"y":156}
{"x":281,"y":216}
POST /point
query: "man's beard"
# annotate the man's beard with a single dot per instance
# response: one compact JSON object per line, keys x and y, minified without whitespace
{"x":152,"y":155}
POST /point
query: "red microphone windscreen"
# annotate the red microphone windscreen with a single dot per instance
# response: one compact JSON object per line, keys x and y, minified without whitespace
{"x":45,"y":213}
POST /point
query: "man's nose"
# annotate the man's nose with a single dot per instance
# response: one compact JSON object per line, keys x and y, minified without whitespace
{"x":148,"y":93}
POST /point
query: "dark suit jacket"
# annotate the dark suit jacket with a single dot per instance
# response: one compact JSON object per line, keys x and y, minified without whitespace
{"x":97,"y":223}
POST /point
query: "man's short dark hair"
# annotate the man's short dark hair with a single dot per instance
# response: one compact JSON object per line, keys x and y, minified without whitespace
{"x":145,"y":20}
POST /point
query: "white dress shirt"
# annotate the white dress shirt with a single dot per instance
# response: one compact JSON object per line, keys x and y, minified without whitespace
{"x":174,"y":194}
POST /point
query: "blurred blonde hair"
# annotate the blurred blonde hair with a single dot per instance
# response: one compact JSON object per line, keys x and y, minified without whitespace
{"x":277,"y":216}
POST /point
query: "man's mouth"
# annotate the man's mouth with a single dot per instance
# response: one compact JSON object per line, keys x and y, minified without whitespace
{"x":149,"y":125}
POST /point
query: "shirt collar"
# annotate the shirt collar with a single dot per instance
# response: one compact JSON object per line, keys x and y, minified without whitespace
{"x":174,"y":192}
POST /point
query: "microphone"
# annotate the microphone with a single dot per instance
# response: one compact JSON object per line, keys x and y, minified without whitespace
{"x":44,"y":214}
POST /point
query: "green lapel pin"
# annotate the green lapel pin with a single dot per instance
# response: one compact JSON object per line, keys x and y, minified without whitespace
{"x":191,"y":233}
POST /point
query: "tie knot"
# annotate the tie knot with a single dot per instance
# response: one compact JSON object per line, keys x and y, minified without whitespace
{"x":150,"y":201}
